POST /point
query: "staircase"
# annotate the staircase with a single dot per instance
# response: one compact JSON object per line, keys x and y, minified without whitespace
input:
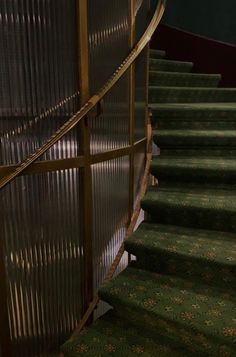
{"x":178,"y":298}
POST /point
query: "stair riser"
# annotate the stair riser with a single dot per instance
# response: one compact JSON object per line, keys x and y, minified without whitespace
{"x":193,"y":124}
{"x":190,"y":216}
{"x":203,"y":115}
{"x":162,"y":65}
{"x":164,"y":141}
{"x":157,"y":54}
{"x":173,"y":95}
{"x":184,"y":80}
{"x":213,"y":152}
{"x":174,"y":264}
{"x":166,"y":174}
{"x":192,"y":340}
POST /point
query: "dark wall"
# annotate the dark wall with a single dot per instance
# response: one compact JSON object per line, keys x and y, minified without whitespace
{"x":215,"y":19}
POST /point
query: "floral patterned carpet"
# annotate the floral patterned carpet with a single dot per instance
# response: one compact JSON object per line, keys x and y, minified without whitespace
{"x":179,"y":297}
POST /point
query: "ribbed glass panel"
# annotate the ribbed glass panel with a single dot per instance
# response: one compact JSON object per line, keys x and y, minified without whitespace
{"x":111,"y":130}
{"x":108,"y":38}
{"x":38,"y":71}
{"x":21,"y":137}
{"x":141,"y":22}
{"x":110,"y":205}
{"x":108,"y":47}
{"x":38,"y":55}
{"x":43,"y":254}
{"x":139,"y":166}
{"x":140,"y":95}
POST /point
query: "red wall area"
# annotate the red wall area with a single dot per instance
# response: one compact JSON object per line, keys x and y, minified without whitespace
{"x":209,"y":56}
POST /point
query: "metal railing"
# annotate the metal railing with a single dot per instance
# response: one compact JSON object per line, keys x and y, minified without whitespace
{"x":89,"y":111}
{"x":92,"y":102}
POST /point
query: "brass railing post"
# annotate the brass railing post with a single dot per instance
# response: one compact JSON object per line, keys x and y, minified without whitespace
{"x":147,"y":119}
{"x":84,"y":138}
{"x":131,"y":109}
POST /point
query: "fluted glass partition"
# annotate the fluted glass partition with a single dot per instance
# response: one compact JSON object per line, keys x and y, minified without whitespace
{"x":65,"y":216}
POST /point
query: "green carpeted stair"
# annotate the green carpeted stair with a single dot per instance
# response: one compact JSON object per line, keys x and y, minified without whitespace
{"x":171,"y":66}
{"x":179,"y":297}
{"x":171,"y":79}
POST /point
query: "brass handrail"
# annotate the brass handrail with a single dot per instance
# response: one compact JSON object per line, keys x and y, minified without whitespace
{"x":93,"y":101}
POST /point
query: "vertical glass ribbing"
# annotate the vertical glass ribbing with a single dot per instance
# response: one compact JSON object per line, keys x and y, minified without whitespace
{"x":38,"y":55}
{"x":43,"y":255}
{"x":38,"y":71}
{"x":109,"y":31}
{"x":41,"y":213}
{"x":108,"y":47}
{"x":141,"y":80}
{"x":139,"y":166}
{"x":110,"y":205}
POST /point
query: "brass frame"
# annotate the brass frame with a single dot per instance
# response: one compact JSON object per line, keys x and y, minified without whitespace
{"x":131,"y":108}
{"x":93,"y":101}
{"x":84,"y":160}
{"x":72,"y":163}
{"x":84,"y":142}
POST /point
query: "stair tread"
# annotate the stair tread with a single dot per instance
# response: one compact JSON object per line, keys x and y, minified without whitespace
{"x":196,"y":162}
{"x":195,"y":132}
{"x":195,"y":106}
{"x":195,"y":169}
{"x":191,"y":306}
{"x":215,"y":199}
{"x":181,"y":74}
{"x":217,"y":247}
{"x":165,"y":78}
{"x":193,"y":89}
{"x":159,"y":60}
{"x":111,"y":335}
{"x":169,"y":65}
{"x":176,"y":94}
{"x":194,"y":137}
{"x":157,"y":53}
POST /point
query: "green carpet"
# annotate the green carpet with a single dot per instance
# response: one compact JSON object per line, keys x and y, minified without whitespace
{"x":157,"y":54}
{"x":191,"y":95}
{"x":171,"y":66}
{"x":179,"y":297}
{"x":183,"y":79}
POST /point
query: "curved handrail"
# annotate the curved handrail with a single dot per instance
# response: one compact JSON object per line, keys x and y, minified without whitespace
{"x":94,"y":100}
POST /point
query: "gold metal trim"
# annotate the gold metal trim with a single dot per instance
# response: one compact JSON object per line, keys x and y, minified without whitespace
{"x":94,"y":100}
{"x":73,"y":163}
{"x":86,"y":202}
{"x":131,"y":110}
{"x":131,"y":226}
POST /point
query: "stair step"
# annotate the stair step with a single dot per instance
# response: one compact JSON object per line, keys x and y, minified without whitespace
{"x":224,"y":139}
{"x":170,"y":66}
{"x":190,"y":95}
{"x":218,"y":152}
{"x":196,"y":169}
{"x":174,"y":79}
{"x":194,"y":115}
{"x":191,"y":314}
{"x":196,"y":207}
{"x":157,"y":54}
{"x":112,"y":335}
{"x":189,"y":253}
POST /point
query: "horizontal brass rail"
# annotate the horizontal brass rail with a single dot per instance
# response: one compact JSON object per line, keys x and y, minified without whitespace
{"x":93,"y":101}
{"x":133,"y":221}
{"x":40,"y":167}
